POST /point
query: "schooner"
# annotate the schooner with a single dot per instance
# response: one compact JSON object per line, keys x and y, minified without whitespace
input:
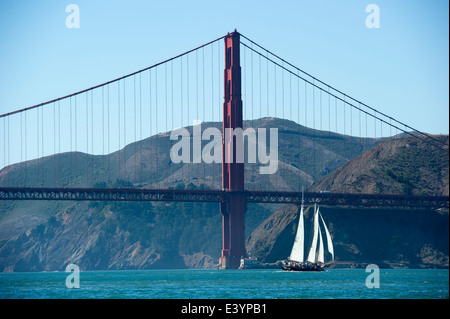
{"x":315,"y":260}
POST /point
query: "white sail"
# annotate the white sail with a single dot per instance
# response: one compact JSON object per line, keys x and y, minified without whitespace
{"x":312,"y":250}
{"x":329,"y":241}
{"x":298,"y":247}
{"x":320,"y":257}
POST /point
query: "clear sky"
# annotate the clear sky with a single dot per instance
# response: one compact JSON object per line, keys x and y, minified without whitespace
{"x":401,"y":68}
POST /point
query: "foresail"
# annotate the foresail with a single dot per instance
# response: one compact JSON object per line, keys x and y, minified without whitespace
{"x":329,"y":241}
{"x":298,"y":247}
{"x":312,"y":251}
{"x":320,"y":258}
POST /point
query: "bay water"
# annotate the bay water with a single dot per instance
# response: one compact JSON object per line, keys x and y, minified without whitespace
{"x":228,"y":284}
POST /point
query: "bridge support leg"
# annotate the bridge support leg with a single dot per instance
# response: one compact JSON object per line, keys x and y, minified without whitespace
{"x":233,"y":231}
{"x":225,"y":257}
{"x":233,"y":210}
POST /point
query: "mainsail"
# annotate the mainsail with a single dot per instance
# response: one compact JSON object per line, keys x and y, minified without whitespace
{"x":312,"y":251}
{"x":320,"y":258}
{"x":297,"y":249}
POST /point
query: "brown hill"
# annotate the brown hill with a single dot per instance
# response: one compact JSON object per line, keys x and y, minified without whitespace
{"x":397,"y":166}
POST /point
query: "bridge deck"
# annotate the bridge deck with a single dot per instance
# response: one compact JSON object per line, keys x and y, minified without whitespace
{"x":177,"y":195}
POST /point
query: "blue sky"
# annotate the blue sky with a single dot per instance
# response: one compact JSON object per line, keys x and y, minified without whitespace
{"x":401,"y":69}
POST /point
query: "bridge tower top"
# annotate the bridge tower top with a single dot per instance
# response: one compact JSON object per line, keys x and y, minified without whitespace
{"x":232,"y":172}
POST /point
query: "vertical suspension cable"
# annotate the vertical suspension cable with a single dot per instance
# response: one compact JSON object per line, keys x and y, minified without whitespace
{"x":276,"y":113}
{"x":172,"y":117}
{"x":244,"y":82}
{"x":292,"y":183}
{"x":92,"y":137}
{"x":345,"y":137}
{"x":54,"y":145}
{"x":140,"y":130}
{"x":282,"y":91}
{"x":5,"y":184}
{"x":268,"y":103}
{"x":124,"y":136}
{"x":251,"y":80}
{"x":59,"y":143}
{"x":150,"y":126}
{"x":166,"y":107}
{"x":299,"y":132}
{"x":203,"y":108}
{"x":87,"y":141}
{"x":76,"y":146}
{"x":195,"y":174}
{"x":212,"y":107}
{"x":8,"y":154}
{"x":260,"y":106}
{"x":103,"y":136}
{"x":267,"y":81}
{"x":135,"y":131}
{"x":375,"y":123}
{"x":336,"y":125}
{"x":41,"y":139}
{"x":367,"y":140}
{"x":196,"y":84}
{"x":329,"y":131}
{"x":282,"y":116}
{"x":351,"y":134}
{"x":4,"y":149}
{"x":187,"y":107}
{"x":321,"y":132}
{"x":37,"y":143}
{"x":20,"y":180}
{"x":25,"y":151}
{"x":305,"y":150}
{"x":187,"y":91}
{"x":361,"y":150}
{"x":108,"y":137}
{"x":181,"y":102}
{"x":118,"y":126}
{"x":156,"y":126}
{"x":219,"y":97}
{"x":314,"y":130}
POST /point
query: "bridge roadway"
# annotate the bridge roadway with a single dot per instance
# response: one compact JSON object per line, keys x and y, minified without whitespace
{"x":178,"y":195}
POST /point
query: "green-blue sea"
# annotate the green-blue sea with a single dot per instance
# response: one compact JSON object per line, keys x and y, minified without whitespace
{"x":229,"y":284}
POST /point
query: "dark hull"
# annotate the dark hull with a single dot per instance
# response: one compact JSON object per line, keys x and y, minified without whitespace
{"x":302,"y":267}
{"x":290,"y":268}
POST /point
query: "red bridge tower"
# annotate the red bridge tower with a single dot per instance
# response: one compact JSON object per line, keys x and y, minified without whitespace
{"x":233,"y":209}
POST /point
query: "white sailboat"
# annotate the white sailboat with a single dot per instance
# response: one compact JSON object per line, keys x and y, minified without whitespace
{"x":315,"y":260}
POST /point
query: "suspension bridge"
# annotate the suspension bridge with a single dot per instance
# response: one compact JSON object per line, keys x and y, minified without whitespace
{"x":115,"y":141}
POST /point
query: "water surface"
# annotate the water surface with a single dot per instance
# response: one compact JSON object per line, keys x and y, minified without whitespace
{"x":229,"y":284}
